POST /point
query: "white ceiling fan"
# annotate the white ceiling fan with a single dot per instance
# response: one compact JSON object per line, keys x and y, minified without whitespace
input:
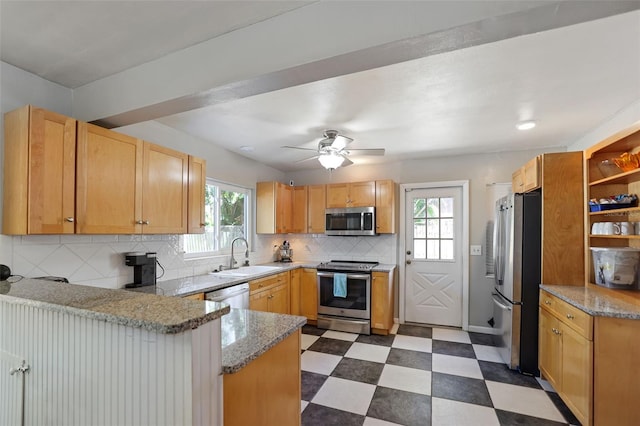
{"x":332,"y":152}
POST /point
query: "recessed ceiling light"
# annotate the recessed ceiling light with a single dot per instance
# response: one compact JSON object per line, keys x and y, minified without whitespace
{"x":526,"y":125}
{"x":246,"y":148}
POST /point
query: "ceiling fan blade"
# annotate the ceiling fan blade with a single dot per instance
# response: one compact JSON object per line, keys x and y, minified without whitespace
{"x":306,"y":159}
{"x":346,"y":162}
{"x":379,"y":151}
{"x":297,"y":147}
{"x":340,"y":142}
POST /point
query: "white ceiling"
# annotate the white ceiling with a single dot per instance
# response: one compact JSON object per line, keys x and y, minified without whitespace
{"x":568,"y":80}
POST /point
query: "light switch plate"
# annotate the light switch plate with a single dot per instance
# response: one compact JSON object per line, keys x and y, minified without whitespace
{"x":476,"y":250}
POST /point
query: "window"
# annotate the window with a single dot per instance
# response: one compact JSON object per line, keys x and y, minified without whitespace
{"x":227,"y":217}
{"x":433,"y":228}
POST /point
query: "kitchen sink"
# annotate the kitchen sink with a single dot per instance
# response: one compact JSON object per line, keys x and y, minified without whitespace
{"x":246,"y":271}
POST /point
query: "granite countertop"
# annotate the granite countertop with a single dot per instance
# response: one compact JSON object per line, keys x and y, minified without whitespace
{"x":168,"y":315}
{"x":595,"y":302}
{"x":248,"y":334}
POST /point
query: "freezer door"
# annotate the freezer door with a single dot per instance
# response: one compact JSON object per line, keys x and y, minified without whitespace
{"x":507,"y":321}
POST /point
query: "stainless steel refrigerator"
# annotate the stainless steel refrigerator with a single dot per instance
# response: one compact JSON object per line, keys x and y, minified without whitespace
{"x":517,"y":252}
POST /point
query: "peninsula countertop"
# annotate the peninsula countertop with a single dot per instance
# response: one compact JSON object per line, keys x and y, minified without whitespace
{"x":168,"y":315}
{"x":596,"y":301}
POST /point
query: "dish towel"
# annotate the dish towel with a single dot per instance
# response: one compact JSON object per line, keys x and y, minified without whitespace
{"x":340,"y":285}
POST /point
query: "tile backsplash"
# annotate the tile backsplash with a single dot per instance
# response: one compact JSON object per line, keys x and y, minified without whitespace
{"x":98,"y":260}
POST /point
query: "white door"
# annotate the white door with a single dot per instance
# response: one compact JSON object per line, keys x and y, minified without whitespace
{"x":433,"y":256}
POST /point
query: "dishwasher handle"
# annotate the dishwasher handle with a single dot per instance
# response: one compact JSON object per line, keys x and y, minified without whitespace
{"x":226,"y":293}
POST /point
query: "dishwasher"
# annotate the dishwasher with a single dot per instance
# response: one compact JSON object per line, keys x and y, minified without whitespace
{"x":236,"y":296}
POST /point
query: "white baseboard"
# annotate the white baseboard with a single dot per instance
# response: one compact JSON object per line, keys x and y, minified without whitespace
{"x":485,"y":330}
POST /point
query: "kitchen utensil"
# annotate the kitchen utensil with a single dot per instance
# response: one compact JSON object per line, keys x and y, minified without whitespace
{"x":608,"y":168}
{"x":5,"y":272}
{"x":627,"y":162}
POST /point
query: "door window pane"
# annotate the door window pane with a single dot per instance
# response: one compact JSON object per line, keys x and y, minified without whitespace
{"x":446,"y":207}
{"x":433,"y":228}
{"x":419,"y":207}
{"x":446,"y":226}
{"x":419,"y":249}
{"x":433,"y":207}
{"x":419,"y":228}
{"x":446,"y":249}
{"x":433,"y":249}
{"x":437,"y":228}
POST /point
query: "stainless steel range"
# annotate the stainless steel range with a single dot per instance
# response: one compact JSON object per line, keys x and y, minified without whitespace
{"x":344,"y":296}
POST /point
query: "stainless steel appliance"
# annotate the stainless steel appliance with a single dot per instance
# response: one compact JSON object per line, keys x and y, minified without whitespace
{"x":236,"y":296}
{"x":144,"y":268}
{"x":285,"y":252}
{"x":350,"y":221}
{"x":517,"y":252}
{"x":350,"y":308}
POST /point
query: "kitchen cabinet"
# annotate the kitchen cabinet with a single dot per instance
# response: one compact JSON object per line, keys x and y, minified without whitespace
{"x":270,"y":294}
{"x":295,"y":278}
{"x":316,"y":202}
{"x":382,"y":292}
{"x":196,"y":296}
{"x":309,"y":294}
{"x":128,"y":186}
{"x":196,"y":194}
{"x":273,"y":207}
{"x":386,"y":207}
{"x":299,"y":210}
{"x":267,"y":391}
{"x":601,"y":183}
{"x":566,"y":354}
{"x":517,"y":181}
{"x":352,"y":194}
{"x":528,"y":177}
{"x":39,"y":172}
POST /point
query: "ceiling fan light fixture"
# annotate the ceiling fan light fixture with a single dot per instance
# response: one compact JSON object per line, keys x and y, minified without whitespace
{"x":526,"y":125}
{"x":331,"y":161}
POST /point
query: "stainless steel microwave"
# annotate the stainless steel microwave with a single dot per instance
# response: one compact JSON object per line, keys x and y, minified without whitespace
{"x":350,"y":221}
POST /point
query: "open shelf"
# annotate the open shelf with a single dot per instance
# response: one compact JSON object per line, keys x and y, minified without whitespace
{"x":625,"y":178}
{"x":616,"y":212}
{"x":619,"y":237}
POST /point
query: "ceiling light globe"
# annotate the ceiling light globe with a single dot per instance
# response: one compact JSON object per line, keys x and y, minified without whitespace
{"x":331,"y":161}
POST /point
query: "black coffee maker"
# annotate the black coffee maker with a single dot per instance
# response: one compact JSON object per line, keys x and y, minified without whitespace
{"x":144,"y":268}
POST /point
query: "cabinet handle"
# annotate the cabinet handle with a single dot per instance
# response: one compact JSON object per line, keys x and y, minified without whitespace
{"x":270,"y":296}
{"x":145,"y":222}
{"x":570,"y":316}
{"x":139,"y":222}
{"x":547,"y":302}
{"x":68,"y":219}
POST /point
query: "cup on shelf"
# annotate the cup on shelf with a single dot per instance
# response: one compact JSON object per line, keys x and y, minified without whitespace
{"x":607,"y":228}
{"x":627,"y":228}
{"x":595,"y":228}
{"x":636,"y":226}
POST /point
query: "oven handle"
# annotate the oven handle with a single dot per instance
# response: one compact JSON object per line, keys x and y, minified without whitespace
{"x":349,"y":275}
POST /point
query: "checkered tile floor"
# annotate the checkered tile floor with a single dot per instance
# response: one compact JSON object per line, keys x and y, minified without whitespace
{"x":419,"y":376}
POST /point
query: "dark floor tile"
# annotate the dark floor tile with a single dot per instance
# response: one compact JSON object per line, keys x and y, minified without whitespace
{"x":483,"y":339}
{"x":411,"y":359}
{"x":507,"y":418}
{"x":319,"y":415}
{"x":311,"y":384}
{"x":309,"y":329}
{"x":499,"y":372}
{"x":453,"y":348}
{"x":396,"y":406}
{"x":358,"y":370}
{"x":415,"y":330}
{"x":375,"y":339}
{"x":457,"y":388}
{"x":330,"y":346}
{"x":564,"y":410}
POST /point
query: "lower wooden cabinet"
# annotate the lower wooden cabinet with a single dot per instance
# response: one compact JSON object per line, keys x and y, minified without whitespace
{"x":270,"y":294}
{"x":295,"y":278}
{"x":196,"y":296}
{"x":382,"y":302}
{"x":309,"y":294}
{"x":566,"y":354}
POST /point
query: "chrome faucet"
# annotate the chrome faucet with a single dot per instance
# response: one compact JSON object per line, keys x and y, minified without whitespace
{"x":232,"y":261}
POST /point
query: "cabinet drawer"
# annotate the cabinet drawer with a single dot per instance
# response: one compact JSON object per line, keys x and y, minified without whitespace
{"x":265,"y":283}
{"x":578,"y":320}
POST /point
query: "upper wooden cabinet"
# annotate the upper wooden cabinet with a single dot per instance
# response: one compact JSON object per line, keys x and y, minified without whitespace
{"x":316,"y":202}
{"x":528,"y":177}
{"x":273,"y":204}
{"x":355,"y":194}
{"x":197,"y":182}
{"x":299,"y":197}
{"x":386,"y":206}
{"x":39,"y":172}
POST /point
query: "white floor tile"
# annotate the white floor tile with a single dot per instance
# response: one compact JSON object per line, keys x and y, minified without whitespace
{"x":303,"y":405}
{"x":346,"y":395}
{"x":307,"y":340}
{"x":447,"y":412}
{"x":421,"y":344}
{"x":451,"y":335}
{"x":340,"y":335}
{"x":487,"y":353}
{"x":456,"y":365}
{"x":545,"y":385}
{"x":370,"y":421}
{"x":320,"y":363}
{"x":523,"y":400}
{"x":364,"y":351}
{"x":406,"y":379}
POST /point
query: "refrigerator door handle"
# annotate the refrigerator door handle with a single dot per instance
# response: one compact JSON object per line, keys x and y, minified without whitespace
{"x":498,"y":302}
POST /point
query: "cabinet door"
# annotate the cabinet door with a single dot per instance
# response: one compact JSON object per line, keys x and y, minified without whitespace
{"x":532,"y":174}
{"x":362,"y":194}
{"x":108,"y":182}
{"x":577,"y":373}
{"x":316,"y":204}
{"x":381,"y":302}
{"x":517,"y":181}
{"x":259,"y":301}
{"x":385,"y":207}
{"x":299,"y":210}
{"x":284,"y":196}
{"x":550,"y":349}
{"x":279,"y":299}
{"x":295,"y":278}
{"x":197,"y":181}
{"x":164,"y":189}
{"x":309,"y":294}
{"x":337,"y":195}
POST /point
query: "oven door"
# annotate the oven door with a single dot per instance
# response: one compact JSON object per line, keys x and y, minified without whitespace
{"x":356,"y":304}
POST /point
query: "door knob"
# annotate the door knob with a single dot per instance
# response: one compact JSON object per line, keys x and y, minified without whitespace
{"x":68,"y":219}
{"x":408,"y":262}
{"x":409,"y":252}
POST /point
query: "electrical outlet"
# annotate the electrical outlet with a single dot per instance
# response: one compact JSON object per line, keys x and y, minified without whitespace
{"x":476,"y":250}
